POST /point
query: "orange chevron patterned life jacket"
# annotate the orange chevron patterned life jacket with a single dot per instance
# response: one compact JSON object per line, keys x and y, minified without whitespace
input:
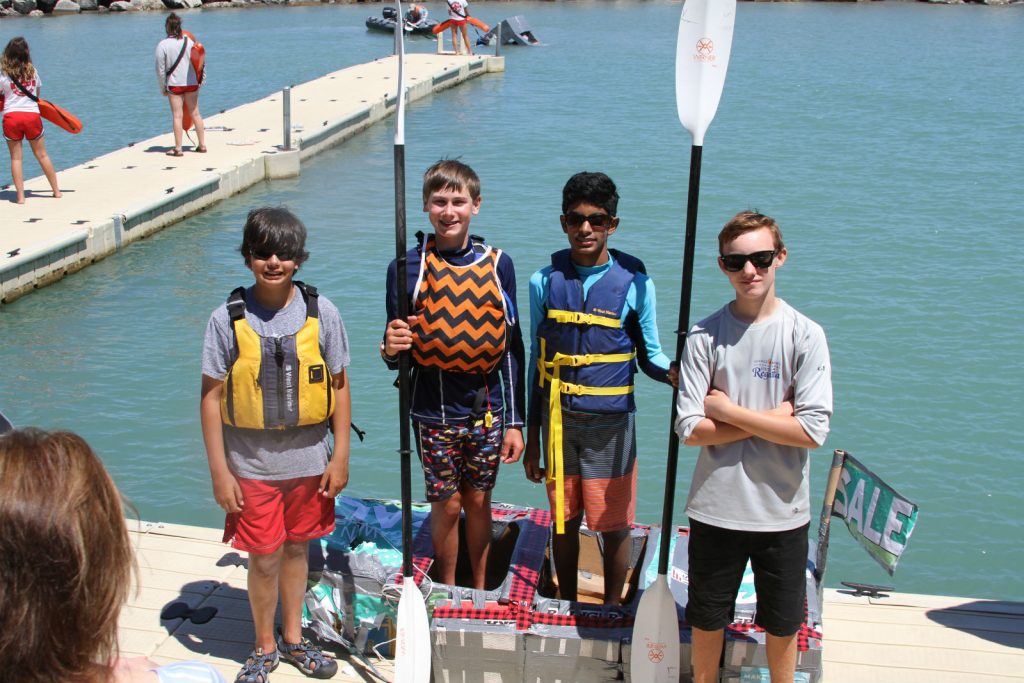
{"x":460,"y":312}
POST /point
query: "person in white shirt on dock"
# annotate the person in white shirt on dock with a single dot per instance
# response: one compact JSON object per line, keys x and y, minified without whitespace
{"x":19,"y":94}
{"x":179,"y":82}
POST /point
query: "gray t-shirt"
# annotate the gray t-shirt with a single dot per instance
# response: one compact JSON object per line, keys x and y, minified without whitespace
{"x":754,"y":484}
{"x":272,"y":454}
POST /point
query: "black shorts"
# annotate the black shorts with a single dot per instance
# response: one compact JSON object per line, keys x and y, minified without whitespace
{"x":717,"y":558}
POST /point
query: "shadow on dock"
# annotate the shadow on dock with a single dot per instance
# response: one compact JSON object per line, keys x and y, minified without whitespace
{"x":997,"y":621}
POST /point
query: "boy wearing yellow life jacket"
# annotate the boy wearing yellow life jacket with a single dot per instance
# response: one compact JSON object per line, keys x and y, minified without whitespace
{"x":467,"y":364}
{"x":592,"y":319}
{"x":274,"y":379}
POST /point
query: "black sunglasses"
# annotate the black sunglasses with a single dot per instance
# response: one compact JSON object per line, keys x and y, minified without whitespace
{"x":265,"y":254}
{"x":598,"y":221}
{"x":735,"y":262}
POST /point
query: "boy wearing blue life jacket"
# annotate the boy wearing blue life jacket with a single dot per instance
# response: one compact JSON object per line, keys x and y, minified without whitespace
{"x":592,"y":321}
{"x":467,"y":364}
{"x":274,"y":380}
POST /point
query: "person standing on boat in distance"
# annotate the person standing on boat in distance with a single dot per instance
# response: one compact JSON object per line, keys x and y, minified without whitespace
{"x":274,"y":381}
{"x":179,"y":82}
{"x":756,"y":396}
{"x":66,"y":564}
{"x":19,"y":95}
{"x":592,"y":315}
{"x":467,"y":364}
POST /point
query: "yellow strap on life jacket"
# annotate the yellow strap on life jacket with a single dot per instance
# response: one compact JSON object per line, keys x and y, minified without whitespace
{"x":584,"y":318}
{"x":556,"y":469}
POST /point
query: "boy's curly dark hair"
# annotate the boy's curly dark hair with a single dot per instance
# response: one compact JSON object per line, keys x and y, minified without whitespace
{"x":593,"y":188}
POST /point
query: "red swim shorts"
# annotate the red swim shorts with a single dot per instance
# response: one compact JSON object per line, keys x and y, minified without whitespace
{"x":182,"y":89}
{"x":278,"y":511}
{"x":19,"y":125}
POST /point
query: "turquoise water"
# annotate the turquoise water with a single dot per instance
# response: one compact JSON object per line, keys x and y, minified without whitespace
{"x":886,"y":138}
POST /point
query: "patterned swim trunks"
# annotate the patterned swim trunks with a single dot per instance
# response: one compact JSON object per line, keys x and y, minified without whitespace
{"x":454,"y":454}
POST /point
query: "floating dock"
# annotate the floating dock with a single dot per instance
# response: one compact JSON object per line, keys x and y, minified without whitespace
{"x":902,"y":637}
{"x":130,"y":193}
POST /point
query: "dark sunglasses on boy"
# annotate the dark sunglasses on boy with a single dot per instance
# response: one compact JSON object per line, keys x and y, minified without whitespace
{"x":265,"y":254}
{"x":598,"y":221}
{"x":735,"y":262}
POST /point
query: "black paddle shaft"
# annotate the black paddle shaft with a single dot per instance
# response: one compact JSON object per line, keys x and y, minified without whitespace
{"x":681,"y":332}
{"x":401,"y":290}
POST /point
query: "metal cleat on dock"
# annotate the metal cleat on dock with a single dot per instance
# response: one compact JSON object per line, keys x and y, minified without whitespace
{"x":869,"y":590}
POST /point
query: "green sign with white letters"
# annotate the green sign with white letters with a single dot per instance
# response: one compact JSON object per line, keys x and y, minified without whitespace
{"x":875,"y":513}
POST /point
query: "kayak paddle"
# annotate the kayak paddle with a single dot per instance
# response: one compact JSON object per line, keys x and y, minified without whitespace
{"x":412,"y":645}
{"x":702,"y":57}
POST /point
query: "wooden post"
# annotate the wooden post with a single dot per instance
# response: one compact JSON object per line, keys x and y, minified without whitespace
{"x":820,"y":558}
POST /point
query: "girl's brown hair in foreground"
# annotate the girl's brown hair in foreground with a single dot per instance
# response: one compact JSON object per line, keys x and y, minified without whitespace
{"x":17,"y":60}
{"x":65,"y":559}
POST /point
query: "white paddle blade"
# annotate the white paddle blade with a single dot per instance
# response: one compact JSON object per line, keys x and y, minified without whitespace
{"x":412,"y":646}
{"x":654,"y":654}
{"x":400,"y":51}
{"x":702,"y":58}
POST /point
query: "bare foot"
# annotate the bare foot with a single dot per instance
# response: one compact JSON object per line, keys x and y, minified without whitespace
{"x":19,"y":200}
{"x":57,"y":194}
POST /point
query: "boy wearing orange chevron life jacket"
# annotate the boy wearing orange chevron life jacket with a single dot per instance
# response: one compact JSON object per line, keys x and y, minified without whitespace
{"x":592,"y":319}
{"x":467,"y":364}
{"x":274,"y":377}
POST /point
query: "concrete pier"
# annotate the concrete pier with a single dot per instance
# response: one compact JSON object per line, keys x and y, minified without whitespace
{"x":127,"y":194}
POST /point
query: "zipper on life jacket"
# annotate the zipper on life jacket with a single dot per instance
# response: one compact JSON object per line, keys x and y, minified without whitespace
{"x":579,"y":331}
{"x":279,"y":361}
{"x":229,"y":392}
{"x":330,"y":379}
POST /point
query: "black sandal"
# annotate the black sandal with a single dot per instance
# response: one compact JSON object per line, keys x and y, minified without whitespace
{"x":258,"y":667}
{"x":309,"y":658}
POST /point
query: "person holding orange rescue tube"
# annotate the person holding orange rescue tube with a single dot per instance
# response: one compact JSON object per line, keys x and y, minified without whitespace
{"x":179,"y":82}
{"x":19,"y":94}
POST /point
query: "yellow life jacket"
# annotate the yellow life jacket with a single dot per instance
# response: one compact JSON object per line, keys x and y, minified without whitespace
{"x":460,"y":313}
{"x":277,"y":382}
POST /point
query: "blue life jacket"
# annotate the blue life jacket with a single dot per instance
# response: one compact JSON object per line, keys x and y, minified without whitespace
{"x":583,"y":331}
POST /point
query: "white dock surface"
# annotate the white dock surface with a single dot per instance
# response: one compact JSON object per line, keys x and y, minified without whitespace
{"x":902,"y":638}
{"x":129,"y":193}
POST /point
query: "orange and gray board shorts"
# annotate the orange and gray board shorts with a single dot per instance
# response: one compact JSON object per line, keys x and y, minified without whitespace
{"x":599,"y":461}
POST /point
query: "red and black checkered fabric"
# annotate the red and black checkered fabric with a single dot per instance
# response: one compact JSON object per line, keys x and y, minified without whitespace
{"x":523,"y":589}
{"x":803,"y":636}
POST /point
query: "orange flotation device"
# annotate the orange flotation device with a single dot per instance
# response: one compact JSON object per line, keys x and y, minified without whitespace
{"x":197,"y":56}
{"x":60,"y":116}
{"x":451,"y":23}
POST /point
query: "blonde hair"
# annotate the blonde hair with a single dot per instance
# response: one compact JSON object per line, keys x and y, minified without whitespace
{"x":749,"y":221}
{"x":450,"y":174}
{"x":66,"y":560}
{"x":17,"y":60}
